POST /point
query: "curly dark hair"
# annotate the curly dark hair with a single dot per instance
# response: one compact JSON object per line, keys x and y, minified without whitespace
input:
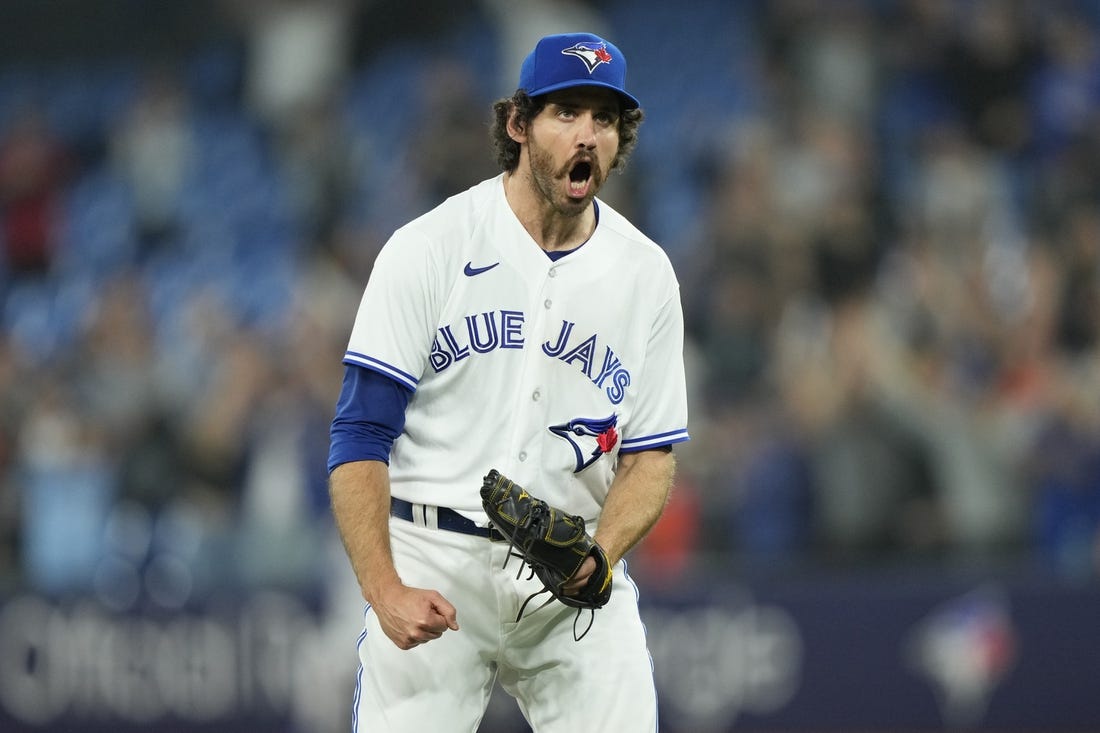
{"x":527,"y":108}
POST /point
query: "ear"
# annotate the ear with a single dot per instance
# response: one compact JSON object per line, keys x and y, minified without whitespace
{"x":516,"y":130}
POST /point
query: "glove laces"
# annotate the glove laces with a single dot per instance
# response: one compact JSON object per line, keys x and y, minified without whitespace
{"x":577,"y":636}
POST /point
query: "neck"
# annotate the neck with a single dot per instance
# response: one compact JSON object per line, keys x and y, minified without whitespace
{"x":550,"y":228}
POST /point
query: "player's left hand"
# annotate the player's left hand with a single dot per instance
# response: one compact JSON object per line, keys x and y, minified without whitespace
{"x":580,"y":578}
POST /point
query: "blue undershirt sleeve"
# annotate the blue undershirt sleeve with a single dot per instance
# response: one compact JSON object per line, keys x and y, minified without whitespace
{"x":370,"y":414}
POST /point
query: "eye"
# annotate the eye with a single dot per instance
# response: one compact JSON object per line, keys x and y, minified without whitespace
{"x":605,"y":118}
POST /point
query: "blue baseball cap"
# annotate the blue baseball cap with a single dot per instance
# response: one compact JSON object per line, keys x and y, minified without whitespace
{"x":575,"y":59}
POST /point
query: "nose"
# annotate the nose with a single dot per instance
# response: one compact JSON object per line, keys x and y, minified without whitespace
{"x":586,"y":131}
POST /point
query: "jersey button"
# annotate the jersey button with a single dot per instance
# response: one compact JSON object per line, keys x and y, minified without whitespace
{"x":547,"y":304}
{"x":523,"y":455}
{"x":535,"y":395}
{"x":553,"y":272}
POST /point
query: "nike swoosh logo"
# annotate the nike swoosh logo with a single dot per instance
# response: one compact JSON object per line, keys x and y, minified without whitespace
{"x":470,"y":270}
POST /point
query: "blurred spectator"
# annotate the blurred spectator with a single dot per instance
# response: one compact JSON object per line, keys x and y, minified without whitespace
{"x":12,"y":399}
{"x":118,"y":380}
{"x":873,"y":494}
{"x":297,"y":54}
{"x":116,"y":375}
{"x":519,"y":25}
{"x":737,"y":276}
{"x":217,"y":425}
{"x":448,"y":149}
{"x":34,"y":169}
{"x":824,"y":53}
{"x":1064,"y":95}
{"x":153,"y":148}
{"x":1078,"y":329}
{"x":320,"y":164}
{"x":298,"y":62}
{"x":771,"y":492}
{"x":989,"y":67}
{"x":285,"y":504}
{"x":1065,"y":471}
{"x":67,"y":488}
{"x":667,"y":556}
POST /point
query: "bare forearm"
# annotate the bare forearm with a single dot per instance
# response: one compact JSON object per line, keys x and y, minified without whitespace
{"x":360,"y":495}
{"x":635,"y":501}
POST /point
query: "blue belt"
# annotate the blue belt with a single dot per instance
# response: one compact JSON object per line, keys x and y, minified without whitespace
{"x":448,"y":519}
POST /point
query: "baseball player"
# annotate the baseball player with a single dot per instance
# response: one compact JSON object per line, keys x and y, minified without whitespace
{"x":525,"y":326}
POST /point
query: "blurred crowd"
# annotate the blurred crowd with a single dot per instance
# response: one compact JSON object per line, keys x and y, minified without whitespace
{"x":885,"y":217}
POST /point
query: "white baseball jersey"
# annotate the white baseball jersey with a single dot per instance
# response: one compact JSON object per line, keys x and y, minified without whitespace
{"x":541,"y":369}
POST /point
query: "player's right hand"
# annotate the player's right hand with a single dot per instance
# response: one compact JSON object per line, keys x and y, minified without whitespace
{"x":414,"y":616}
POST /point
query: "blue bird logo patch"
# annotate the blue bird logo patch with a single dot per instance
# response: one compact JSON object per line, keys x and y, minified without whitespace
{"x":598,"y":436}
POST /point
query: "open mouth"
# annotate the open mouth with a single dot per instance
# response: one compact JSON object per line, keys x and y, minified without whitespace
{"x":580,"y":176}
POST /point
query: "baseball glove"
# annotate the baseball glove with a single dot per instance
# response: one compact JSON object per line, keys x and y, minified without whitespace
{"x":552,"y":543}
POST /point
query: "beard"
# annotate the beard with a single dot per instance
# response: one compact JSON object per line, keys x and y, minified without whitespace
{"x":550,"y":182}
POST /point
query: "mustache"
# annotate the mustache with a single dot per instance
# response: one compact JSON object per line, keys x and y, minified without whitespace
{"x":596,"y":173}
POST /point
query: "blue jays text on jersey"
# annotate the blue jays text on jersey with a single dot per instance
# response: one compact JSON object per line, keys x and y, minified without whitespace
{"x":481,"y":333}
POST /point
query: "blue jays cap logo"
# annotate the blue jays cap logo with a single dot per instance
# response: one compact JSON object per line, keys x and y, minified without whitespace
{"x":592,"y":54}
